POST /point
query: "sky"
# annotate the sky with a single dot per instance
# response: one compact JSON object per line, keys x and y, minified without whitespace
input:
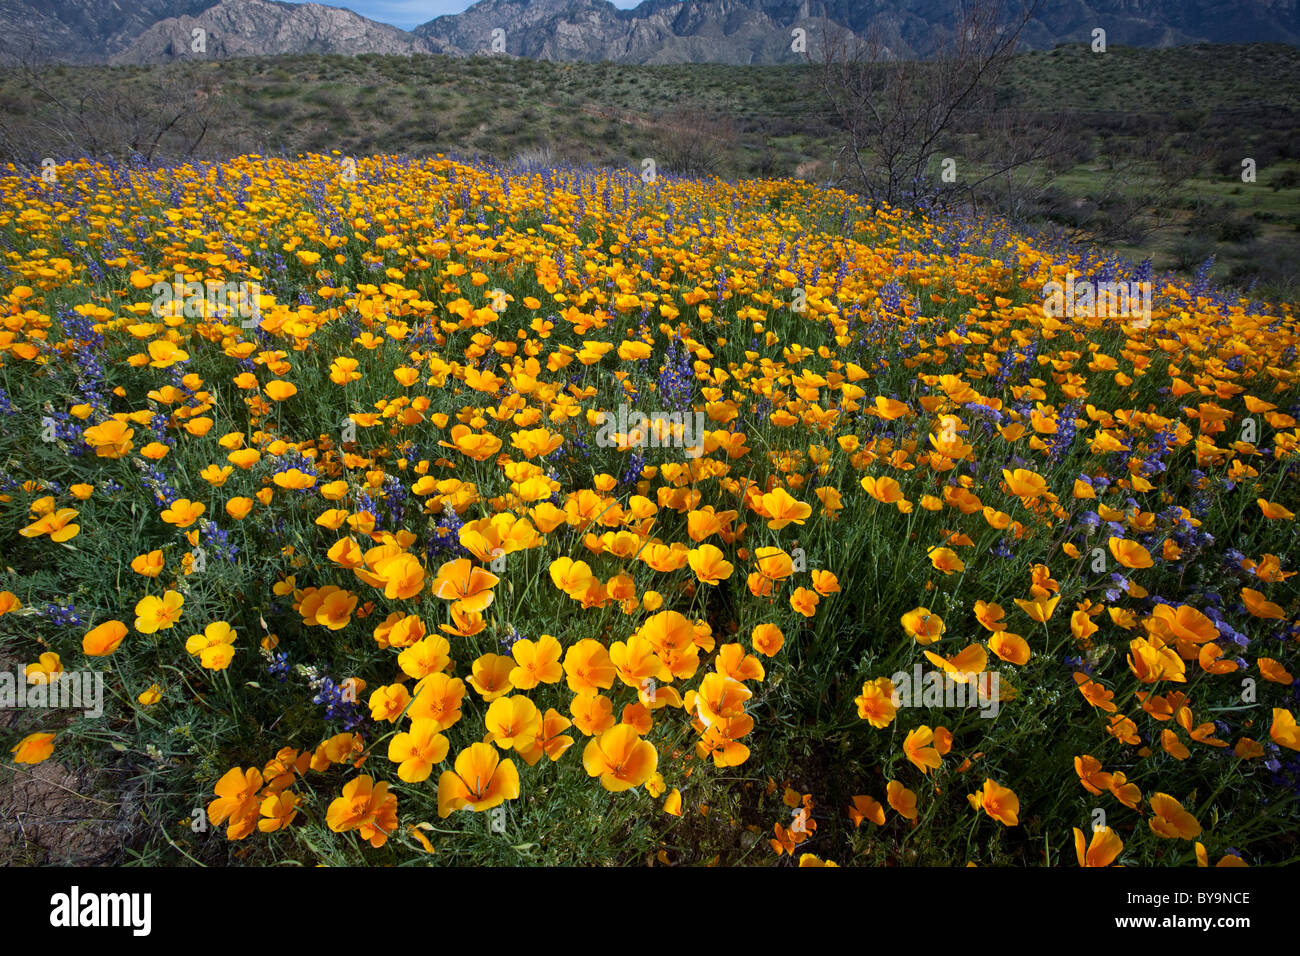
{"x":411,"y":13}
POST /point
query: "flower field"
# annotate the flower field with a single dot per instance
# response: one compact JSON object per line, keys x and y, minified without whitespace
{"x":425,"y":513}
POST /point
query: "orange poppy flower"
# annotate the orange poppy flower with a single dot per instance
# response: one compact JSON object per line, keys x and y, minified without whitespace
{"x":467,"y":586}
{"x":588,"y":668}
{"x":366,"y":807}
{"x":1039,"y":609}
{"x":1011,"y":648}
{"x":901,"y":799}
{"x":1129,"y":553}
{"x":767,"y":639}
{"x":1261,"y":607}
{"x":946,"y":560}
{"x":923,"y":625}
{"x":182,"y":512}
{"x":1000,"y":803}
{"x":620,"y":758}
{"x":1101,"y":851}
{"x":1283,"y":730}
{"x":104,"y":639}
{"x":876,"y":704}
{"x":538,"y":662}
{"x":709,"y":564}
{"x":866,"y":808}
{"x":1274,"y":511}
{"x":417,"y":750}
{"x":962,"y":666}
{"x":917,"y":749}
{"x":781,"y":509}
{"x":1170,"y":820}
{"x":237,"y":801}
{"x":437,"y":698}
{"x":1023,"y":483}
{"x":804,"y":601}
{"x":35,"y":748}
{"x":491,"y":676}
{"x":481,"y":780}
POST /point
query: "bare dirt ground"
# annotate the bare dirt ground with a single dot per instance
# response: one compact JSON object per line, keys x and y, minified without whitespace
{"x":50,"y":816}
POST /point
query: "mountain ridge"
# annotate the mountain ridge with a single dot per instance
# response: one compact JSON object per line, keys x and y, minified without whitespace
{"x":654,"y":32}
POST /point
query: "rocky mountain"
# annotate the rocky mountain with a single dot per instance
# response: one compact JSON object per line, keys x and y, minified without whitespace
{"x":261,"y":27}
{"x":759,"y":31}
{"x":82,"y":30}
{"x":656,"y":31}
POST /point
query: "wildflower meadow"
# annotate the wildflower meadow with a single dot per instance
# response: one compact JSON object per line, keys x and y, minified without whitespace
{"x":402,"y":512}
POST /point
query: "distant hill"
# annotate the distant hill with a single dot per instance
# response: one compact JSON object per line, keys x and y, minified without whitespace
{"x":759,"y":31}
{"x":262,"y":27}
{"x":655,"y":32}
{"x":89,"y":31}
{"x":158,"y":31}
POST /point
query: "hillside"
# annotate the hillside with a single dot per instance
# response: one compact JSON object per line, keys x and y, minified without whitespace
{"x":1207,"y":107}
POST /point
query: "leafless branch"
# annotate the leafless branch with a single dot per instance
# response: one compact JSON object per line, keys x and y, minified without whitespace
{"x":895,"y":112}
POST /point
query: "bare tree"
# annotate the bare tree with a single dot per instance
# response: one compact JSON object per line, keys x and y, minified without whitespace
{"x":906,"y":122}
{"x":1139,"y":195}
{"x":155,"y":113}
{"x":897,"y":113}
{"x":696,"y":142}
